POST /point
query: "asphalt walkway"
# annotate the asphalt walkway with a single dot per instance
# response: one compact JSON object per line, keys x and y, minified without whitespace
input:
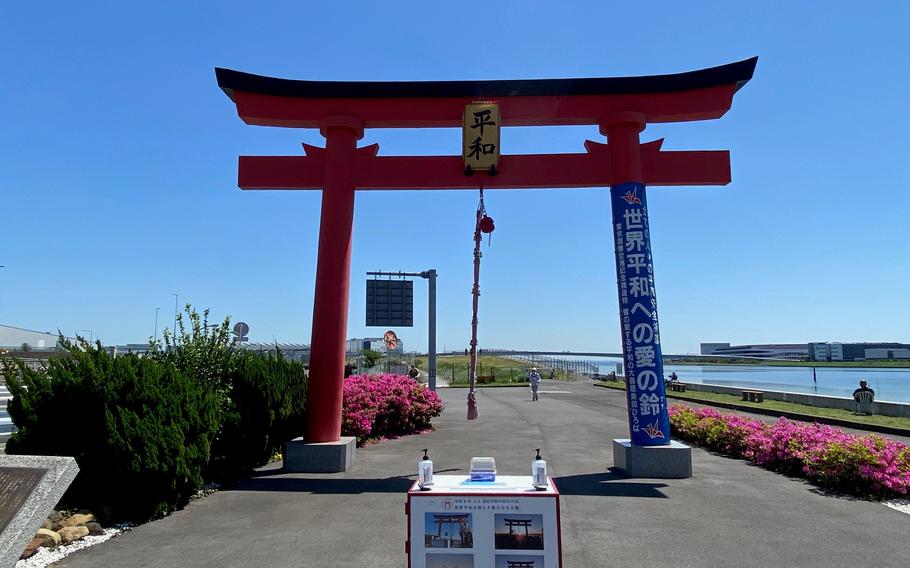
{"x":729,"y":513}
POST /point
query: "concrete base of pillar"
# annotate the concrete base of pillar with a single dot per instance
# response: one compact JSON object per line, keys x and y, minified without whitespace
{"x":319,"y":457}
{"x":662,"y":462}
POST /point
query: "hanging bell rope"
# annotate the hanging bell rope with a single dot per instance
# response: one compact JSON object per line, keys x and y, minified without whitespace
{"x":483,"y":225}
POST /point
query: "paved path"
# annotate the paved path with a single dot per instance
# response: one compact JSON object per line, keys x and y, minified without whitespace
{"x":729,"y":513}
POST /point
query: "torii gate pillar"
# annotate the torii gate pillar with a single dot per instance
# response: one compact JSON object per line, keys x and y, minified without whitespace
{"x":333,"y":279}
{"x":324,"y":449}
{"x":649,"y":452}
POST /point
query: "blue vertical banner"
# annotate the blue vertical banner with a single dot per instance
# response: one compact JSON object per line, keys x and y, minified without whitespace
{"x":649,"y":422}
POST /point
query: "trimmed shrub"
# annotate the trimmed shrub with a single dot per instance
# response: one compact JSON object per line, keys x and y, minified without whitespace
{"x":870,"y":466}
{"x":140,"y":431}
{"x":267,"y":402}
{"x":386,"y":406}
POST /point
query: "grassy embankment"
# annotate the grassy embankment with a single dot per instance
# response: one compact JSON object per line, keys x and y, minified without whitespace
{"x":781,"y":406}
{"x":775,"y":363}
{"x":507,"y":372}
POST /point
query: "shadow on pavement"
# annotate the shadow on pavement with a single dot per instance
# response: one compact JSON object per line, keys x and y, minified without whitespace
{"x":607,"y":484}
{"x":330,"y":486}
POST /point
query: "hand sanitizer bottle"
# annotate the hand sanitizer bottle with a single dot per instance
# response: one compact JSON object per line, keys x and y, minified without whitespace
{"x":425,"y":471}
{"x":539,"y":472}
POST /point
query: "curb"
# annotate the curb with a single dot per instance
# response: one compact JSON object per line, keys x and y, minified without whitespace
{"x":793,"y":415}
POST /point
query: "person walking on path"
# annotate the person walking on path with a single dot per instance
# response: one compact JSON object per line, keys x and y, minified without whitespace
{"x":534,"y":378}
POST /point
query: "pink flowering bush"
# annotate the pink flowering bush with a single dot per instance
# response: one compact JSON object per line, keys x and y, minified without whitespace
{"x":385,"y":406}
{"x":870,"y":466}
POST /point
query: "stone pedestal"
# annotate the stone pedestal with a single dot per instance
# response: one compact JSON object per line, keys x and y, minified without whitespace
{"x":662,"y":462}
{"x":319,"y":457}
{"x":30,"y":487}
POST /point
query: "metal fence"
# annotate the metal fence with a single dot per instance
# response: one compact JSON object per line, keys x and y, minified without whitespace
{"x":568,"y":366}
{"x":458,"y":373}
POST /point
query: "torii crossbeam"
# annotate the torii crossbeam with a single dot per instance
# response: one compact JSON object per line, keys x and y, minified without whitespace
{"x":621,"y":107}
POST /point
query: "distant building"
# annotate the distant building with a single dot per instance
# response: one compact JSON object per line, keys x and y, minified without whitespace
{"x":292,"y":351}
{"x":20,"y":339}
{"x":863,"y":351}
{"x":355,"y":346}
{"x":820,"y":351}
{"x":711,"y":348}
{"x":885,"y":353}
{"x":129,"y":349}
{"x":794,"y":351}
{"x":815,"y":351}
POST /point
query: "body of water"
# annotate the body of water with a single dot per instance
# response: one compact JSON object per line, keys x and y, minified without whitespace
{"x":891,"y":385}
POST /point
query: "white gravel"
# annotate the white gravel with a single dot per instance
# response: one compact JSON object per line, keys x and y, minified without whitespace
{"x":902,"y":505}
{"x":46,"y":556}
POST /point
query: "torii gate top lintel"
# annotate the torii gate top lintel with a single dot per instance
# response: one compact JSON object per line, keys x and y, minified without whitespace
{"x":352,"y":106}
{"x":695,"y":95}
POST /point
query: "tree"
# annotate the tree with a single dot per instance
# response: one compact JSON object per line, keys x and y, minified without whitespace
{"x":370,"y":357}
{"x":200,"y":351}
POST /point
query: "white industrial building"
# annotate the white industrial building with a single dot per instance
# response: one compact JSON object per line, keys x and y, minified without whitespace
{"x":17,"y":338}
{"x":355,"y":346}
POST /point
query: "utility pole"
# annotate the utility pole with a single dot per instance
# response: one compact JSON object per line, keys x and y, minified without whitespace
{"x":156,"y":323}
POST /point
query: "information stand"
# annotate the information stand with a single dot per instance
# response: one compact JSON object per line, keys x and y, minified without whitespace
{"x":500,"y":524}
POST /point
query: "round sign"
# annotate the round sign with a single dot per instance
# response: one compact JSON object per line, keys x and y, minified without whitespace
{"x":391,"y":340}
{"x":241,"y":329}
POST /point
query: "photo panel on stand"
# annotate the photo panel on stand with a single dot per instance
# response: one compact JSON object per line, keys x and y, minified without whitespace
{"x":518,"y":532}
{"x":519,"y":561}
{"x":448,"y":530}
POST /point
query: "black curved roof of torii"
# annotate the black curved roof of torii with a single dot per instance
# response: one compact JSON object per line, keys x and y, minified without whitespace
{"x":737,"y":74}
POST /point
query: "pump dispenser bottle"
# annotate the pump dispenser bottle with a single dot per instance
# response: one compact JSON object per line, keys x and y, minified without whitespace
{"x":425,"y":471}
{"x":539,"y":472}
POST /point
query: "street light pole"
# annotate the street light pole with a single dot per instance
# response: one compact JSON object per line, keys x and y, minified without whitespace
{"x":431,"y":330}
{"x":156,"y":324}
{"x":91,"y":335}
{"x":176,"y":299}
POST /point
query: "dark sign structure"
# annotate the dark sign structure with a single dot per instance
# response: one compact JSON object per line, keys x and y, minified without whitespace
{"x":621,"y":107}
{"x":16,"y":484}
{"x":390,"y":303}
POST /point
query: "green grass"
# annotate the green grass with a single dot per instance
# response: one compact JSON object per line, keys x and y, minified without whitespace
{"x":778,"y":405}
{"x":508,"y":372}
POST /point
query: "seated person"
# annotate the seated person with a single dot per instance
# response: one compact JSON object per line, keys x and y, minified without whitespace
{"x":863,"y":400}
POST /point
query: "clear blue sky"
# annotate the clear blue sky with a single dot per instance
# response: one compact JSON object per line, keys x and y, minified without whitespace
{"x":118,"y":165}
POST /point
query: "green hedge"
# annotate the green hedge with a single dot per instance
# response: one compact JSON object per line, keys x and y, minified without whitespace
{"x":148,"y":431}
{"x":267,"y":401}
{"x":140,"y":431}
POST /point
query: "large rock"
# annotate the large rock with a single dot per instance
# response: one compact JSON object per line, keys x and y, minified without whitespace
{"x":77,"y":519}
{"x":32,"y":548}
{"x":50,"y":538}
{"x":69,"y":534}
{"x":94,"y":528}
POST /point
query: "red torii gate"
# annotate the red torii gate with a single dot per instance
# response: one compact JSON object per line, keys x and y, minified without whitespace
{"x":621,"y":107}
